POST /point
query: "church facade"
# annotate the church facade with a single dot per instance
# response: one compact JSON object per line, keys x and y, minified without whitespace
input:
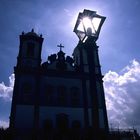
{"x":60,"y":99}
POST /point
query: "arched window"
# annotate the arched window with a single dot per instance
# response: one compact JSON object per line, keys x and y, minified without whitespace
{"x":62,"y":122}
{"x":62,"y":96}
{"x":48,"y":125}
{"x":75,"y":96}
{"x":76,"y":133}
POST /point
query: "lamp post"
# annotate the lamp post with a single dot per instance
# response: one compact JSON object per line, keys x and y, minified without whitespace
{"x":87,"y":28}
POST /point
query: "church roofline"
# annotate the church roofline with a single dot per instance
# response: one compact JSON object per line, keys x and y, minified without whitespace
{"x":31,"y":34}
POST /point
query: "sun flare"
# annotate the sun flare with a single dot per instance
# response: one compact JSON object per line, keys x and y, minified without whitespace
{"x":87,"y":23}
{"x":93,"y":24}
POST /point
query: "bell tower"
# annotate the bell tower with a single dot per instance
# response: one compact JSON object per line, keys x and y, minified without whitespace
{"x":25,"y":93}
{"x":30,"y":50}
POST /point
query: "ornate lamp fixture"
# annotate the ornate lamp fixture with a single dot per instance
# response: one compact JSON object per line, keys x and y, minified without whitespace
{"x":88,"y":24}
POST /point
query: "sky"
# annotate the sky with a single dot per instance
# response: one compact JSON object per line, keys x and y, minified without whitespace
{"x":119,"y":47}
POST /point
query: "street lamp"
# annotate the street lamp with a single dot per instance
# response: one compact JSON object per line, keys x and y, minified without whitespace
{"x":88,"y":24}
{"x":87,"y":28}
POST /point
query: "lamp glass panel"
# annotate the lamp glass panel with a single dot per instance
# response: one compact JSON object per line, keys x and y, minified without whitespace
{"x":80,"y":27}
{"x":96,"y":22}
{"x":88,"y":24}
{"x":81,"y":35}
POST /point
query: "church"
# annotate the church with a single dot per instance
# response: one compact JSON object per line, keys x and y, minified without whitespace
{"x":61,"y":98}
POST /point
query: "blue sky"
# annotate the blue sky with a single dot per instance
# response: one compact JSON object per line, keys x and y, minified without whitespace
{"x":119,"y":41}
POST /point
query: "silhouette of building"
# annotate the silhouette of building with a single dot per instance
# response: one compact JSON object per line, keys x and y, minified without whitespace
{"x":123,"y":134}
{"x":62,"y":98}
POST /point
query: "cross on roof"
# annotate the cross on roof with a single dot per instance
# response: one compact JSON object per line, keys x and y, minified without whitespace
{"x":60,"y":46}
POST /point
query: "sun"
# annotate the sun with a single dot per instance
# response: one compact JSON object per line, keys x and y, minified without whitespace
{"x":87,"y":24}
{"x":93,"y":24}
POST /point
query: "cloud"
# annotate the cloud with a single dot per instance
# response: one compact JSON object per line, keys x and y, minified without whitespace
{"x":123,"y":96}
{"x":4,"y":124}
{"x":68,"y":12}
{"x":122,"y":90}
{"x":6,"y":91}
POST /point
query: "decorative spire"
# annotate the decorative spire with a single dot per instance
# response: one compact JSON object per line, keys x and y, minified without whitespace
{"x":61,"y":54}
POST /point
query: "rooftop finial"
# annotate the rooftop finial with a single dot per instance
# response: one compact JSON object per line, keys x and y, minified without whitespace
{"x":60,"y":46}
{"x":32,"y":30}
{"x":22,"y":32}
